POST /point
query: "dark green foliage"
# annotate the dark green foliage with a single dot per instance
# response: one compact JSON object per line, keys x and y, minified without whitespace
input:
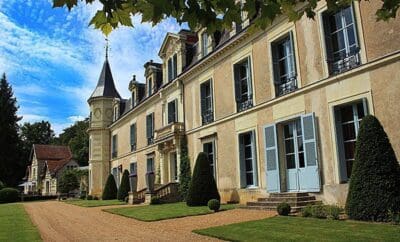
{"x":283,"y":209}
{"x":214,"y":205}
{"x":185,"y":173}
{"x":12,"y":168}
{"x":82,"y":197}
{"x":89,"y":197}
{"x":110,"y":189}
{"x":307,"y":211}
{"x":155,"y":201}
{"x":68,"y":181}
{"x":77,"y":139}
{"x":9,"y":195}
{"x":319,"y":211}
{"x":124,"y":187}
{"x":333,"y":212}
{"x":2,"y":185}
{"x":202,"y":187}
{"x":374,"y":189}
{"x":95,"y":198}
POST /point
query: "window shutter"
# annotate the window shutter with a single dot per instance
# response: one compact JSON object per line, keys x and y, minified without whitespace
{"x":271,"y":158}
{"x":152,"y":124}
{"x":170,"y":69}
{"x":254,"y":156}
{"x":148,"y":128}
{"x":339,"y":146}
{"x":242,"y":164}
{"x":237,"y":83}
{"x":293,"y":59}
{"x":203,"y":98}
{"x":176,"y":110}
{"x":211,"y":96}
{"x":249,"y":79}
{"x":133,"y":138}
{"x":214,"y":159}
{"x":328,"y":38}
{"x":309,"y":139}
{"x":275,"y":61}
{"x":365,"y":106}
{"x":175,"y":67}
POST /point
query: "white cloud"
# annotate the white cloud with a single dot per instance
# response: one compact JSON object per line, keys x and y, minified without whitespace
{"x":76,"y":118}
{"x":31,"y":118}
{"x":30,"y":90}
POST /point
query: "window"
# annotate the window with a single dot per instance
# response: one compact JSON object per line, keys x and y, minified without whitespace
{"x":114,"y":151}
{"x":207,"y":110}
{"x":243,"y":85}
{"x":209,"y":149}
{"x":172,"y":68}
{"x":150,"y":87}
{"x":172,"y":112}
{"x":150,"y":128}
{"x":348,"y":118}
{"x":133,"y":100}
{"x":248,"y":161}
{"x":150,"y":164}
{"x":284,"y":65}
{"x":133,"y":137}
{"x":174,"y":166}
{"x":133,"y":168}
{"x":341,"y":41}
{"x":115,"y":175}
{"x":115,"y":113}
{"x":293,"y":145}
{"x":204,"y":41}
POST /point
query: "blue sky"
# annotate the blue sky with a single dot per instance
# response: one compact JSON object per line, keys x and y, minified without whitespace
{"x":53,"y":59}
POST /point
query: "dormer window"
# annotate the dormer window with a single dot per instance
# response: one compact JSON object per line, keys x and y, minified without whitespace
{"x":172,"y":68}
{"x":133,"y":100}
{"x":204,"y":42}
{"x":116,"y":114}
{"x":150,"y":87}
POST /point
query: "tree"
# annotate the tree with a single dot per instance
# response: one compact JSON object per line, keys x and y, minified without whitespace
{"x":11,"y":168}
{"x":214,"y":15}
{"x":124,"y":188}
{"x":185,"y":173}
{"x":374,"y":189}
{"x":68,"y":181}
{"x":110,"y":189}
{"x":77,"y":139}
{"x":202,"y":187}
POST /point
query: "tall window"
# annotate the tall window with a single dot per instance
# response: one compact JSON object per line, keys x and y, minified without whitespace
{"x":248,"y":161}
{"x":284,"y":65}
{"x":133,"y":137}
{"x":114,"y":146}
{"x":293,"y":139}
{"x":204,"y":41}
{"x":341,"y":41}
{"x":172,"y":68}
{"x":243,"y":85}
{"x":348,"y":118}
{"x":209,"y":149}
{"x":133,"y":168}
{"x":150,"y":128}
{"x":150,"y":87}
{"x":172,"y":112}
{"x":150,"y":164}
{"x":207,"y":110}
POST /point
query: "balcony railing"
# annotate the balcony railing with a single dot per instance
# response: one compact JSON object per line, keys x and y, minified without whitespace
{"x":150,"y":140}
{"x":207,"y":117}
{"x":344,"y":63}
{"x":245,"y":104}
{"x":287,"y":87}
{"x":169,"y":130}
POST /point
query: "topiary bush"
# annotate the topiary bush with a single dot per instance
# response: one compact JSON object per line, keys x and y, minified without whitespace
{"x":110,"y":189}
{"x":202,"y":187}
{"x":185,"y":175}
{"x":9,"y":195}
{"x":214,"y":205}
{"x":283,"y":209}
{"x":374,"y":189}
{"x":89,"y":197}
{"x":124,"y":187}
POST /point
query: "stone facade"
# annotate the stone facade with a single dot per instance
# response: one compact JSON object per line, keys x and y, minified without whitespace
{"x":315,"y":107}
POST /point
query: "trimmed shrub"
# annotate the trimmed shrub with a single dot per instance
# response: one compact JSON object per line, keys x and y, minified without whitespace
{"x":374,"y":189}
{"x":155,"y":201}
{"x":9,"y":195}
{"x":185,"y":175}
{"x":319,"y":211}
{"x":82,"y":197}
{"x":214,"y":205}
{"x":89,"y":197}
{"x":283,"y":209}
{"x":333,"y":212}
{"x":307,"y":211}
{"x":124,"y":187}
{"x":110,"y":189}
{"x":202,"y":186}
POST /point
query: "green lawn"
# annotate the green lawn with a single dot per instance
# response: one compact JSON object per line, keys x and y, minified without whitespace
{"x":15,"y":224}
{"x":94,"y":203}
{"x":304,"y":229}
{"x":163,"y":211}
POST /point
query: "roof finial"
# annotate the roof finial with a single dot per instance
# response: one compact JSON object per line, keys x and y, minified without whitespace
{"x":106,"y":48}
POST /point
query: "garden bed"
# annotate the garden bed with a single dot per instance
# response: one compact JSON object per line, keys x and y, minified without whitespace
{"x":94,"y":203}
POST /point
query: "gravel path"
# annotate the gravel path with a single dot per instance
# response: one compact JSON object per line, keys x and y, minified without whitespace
{"x":58,"y":221}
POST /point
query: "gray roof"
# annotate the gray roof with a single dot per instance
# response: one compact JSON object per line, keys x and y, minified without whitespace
{"x":105,"y":86}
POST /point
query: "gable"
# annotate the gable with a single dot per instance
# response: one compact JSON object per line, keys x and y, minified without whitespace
{"x":169,"y":43}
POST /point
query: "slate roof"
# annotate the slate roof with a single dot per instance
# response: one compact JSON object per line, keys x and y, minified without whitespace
{"x":105,"y":86}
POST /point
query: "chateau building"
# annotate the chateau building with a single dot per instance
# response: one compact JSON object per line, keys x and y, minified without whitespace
{"x":276,"y":110}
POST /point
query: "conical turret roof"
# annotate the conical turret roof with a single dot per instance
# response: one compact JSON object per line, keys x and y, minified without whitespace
{"x":105,"y":86}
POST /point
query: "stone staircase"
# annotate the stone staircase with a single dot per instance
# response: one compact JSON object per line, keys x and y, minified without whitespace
{"x":297,"y":201}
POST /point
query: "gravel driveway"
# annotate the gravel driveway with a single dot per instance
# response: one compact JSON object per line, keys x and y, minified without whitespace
{"x":58,"y":221}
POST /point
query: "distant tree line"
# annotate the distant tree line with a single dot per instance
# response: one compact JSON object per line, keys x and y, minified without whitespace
{"x":16,"y":140}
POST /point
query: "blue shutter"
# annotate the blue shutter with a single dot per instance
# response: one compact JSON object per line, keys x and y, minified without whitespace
{"x":271,"y":159}
{"x":293,"y":59}
{"x":310,"y":175}
{"x":275,"y":61}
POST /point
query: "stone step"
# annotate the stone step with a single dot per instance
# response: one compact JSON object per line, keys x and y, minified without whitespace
{"x":289,"y":194}
{"x":272,"y":208}
{"x":286,"y":199}
{"x":276,"y":203}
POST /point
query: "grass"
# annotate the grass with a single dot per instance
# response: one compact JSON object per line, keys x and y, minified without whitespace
{"x":15,"y":224}
{"x":303,"y":229}
{"x":163,"y":211}
{"x":94,"y":203}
